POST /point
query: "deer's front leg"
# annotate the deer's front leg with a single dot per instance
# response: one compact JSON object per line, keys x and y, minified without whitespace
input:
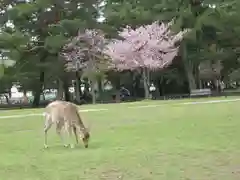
{"x":75,"y":134}
{"x":60,"y":134}
{"x":69,"y":130}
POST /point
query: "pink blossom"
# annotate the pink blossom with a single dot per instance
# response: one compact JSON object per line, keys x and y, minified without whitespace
{"x":152,"y":46}
{"x":81,"y":49}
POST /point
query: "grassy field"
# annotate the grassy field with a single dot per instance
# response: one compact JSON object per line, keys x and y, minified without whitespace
{"x":151,"y":140}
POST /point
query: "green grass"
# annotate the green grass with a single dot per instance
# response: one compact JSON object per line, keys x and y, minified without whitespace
{"x":167,"y":142}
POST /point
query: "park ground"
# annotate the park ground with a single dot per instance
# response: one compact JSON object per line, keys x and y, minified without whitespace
{"x":150,"y":140}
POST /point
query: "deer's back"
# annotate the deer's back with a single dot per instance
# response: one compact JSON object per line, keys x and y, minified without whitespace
{"x":63,"y":110}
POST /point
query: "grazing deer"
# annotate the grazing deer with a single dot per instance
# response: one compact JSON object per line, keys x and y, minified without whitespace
{"x":67,"y":120}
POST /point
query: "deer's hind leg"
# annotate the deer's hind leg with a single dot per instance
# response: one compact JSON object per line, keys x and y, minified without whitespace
{"x":47,"y":126}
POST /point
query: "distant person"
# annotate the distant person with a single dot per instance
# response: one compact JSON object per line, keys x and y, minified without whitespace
{"x":152,"y":90}
{"x":124,"y":93}
{"x":25,"y":99}
{"x":222,"y":86}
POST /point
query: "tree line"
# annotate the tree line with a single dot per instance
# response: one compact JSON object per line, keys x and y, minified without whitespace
{"x":179,"y":45}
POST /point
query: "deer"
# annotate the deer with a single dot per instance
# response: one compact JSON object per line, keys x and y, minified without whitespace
{"x":67,"y":119}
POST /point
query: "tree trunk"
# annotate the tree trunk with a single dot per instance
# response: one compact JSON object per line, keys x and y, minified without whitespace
{"x":145,"y":82}
{"x":191,"y":80}
{"x":93,"y":93}
{"x":43,"y":95}
{"x":188,"y":69}
{"x":25,"y":99}
{"x":65,"y":88}
{"x":38,"y":90}
{"x":24,"y":92}
{"x":133,"y":94}
{"x":197,"y":77}
{"x":161,"y":86}
{"x":216,"y":82}
{"x":100,"y":85}
{"x":39,"y":85}
{"x":200,"y":84}
{"x":60,"y":90}
{"x":7,"y":99}
{"x":10,"y":93}
{"x":77,"y":87}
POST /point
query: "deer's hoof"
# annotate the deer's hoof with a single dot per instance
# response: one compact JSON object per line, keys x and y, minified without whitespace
{"x":66,"y":145}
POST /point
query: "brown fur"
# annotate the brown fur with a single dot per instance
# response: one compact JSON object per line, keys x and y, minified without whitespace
{"x":67,"y":119}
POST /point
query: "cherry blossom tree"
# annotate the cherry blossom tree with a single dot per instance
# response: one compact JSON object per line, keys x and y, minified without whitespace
{"x":84,"y":53}
{"x":81,"y":50}
{"x":148,"y":47}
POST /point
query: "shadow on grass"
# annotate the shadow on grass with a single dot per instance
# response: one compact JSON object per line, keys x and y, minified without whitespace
{"x":60,"y":147}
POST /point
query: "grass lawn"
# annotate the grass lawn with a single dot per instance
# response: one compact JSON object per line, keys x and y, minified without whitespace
{"x":171,"y":141}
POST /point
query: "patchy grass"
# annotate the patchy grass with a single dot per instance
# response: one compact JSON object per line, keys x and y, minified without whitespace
{"x":168,"y":142}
